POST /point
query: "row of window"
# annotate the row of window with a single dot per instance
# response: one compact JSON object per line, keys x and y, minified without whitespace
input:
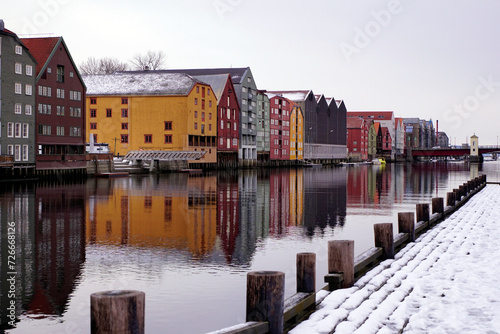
{"x":18,"y":69}
{"x":228,"y":125}
{"x":18,"y":109}
{"x":148,"y":139}
{"x":18,"y":89}
{"x":203,"y":115}
{"x":20,"y":152}
{"x":277,"y":122}
{"x":17,"y":130}
{"x":46,"y":130}
{"x":46,"y":109}
{"x":109,"y":113}
{"x":224,"y":111}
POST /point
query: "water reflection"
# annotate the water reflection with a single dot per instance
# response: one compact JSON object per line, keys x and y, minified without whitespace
{"x":157,"y":233}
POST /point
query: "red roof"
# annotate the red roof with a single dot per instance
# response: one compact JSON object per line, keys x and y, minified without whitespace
{"x":354,"y":123}
{"x":41,"y":48}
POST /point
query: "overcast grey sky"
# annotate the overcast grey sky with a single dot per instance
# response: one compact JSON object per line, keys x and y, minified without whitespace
{"x":434,"y":59}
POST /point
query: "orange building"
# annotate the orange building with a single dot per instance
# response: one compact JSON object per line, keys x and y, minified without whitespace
{"x":296,"y":133}
{"x":150,"y":110}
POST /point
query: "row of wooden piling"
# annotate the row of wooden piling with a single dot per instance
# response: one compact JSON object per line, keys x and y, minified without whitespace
{"x":266,"y":309}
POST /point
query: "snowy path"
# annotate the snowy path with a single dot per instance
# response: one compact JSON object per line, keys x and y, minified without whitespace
{"x":448,"y":281}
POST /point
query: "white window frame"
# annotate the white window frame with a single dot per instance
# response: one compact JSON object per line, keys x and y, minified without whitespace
{"x":17,"y":152}
{"x":26,"y":130}
{"x":25,"y":152}
{"x":18,"y":108}
{"x":18,"y":88}
{"x":10,"y":149}
{"x":10,"y":130}
{"x":18,"y":68}
{"x":19,"y":50}
{"x":17,"y":130}
{"x":28,"y":109}
{"x":28,"y":89}
{"x":29,"y":70}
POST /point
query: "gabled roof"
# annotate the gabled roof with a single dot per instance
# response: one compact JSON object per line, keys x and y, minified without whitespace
{"x":237,"y":74}
{"x":355,"y":123}
{"x":7,"y":32}
{"x":140,"y":83}
{"x":43,"y":49}
{"x":292,"y":95}
{"x":216,"y":81}
{"x":384,"y":115}
{"x":377,"y":126}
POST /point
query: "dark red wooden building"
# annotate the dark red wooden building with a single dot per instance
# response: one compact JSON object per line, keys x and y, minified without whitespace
{"x":60,"y":106}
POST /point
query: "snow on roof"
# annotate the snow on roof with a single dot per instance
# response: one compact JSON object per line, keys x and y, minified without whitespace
{"x":444,"y":282}
{"x":139,"y":83}
{"x":292,"y":95}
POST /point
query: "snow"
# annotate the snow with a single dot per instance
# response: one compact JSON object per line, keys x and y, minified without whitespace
{"x":447,"y":281}
{"x":139,"y":83}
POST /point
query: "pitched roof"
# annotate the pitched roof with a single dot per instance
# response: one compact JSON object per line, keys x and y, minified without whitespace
{"x":41,"y":48}
{"x":292,"y":95}
{"x":381,"y":115}
{"x":216,"y":81}
{"x":140,"y":83}
{"x":354,"y":123}
{"x":237,"y":74}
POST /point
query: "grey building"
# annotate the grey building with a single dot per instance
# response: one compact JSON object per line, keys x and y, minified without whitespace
{"x":443,"y":140}
{"x":17,"y":99}
{"x":263,"y":126}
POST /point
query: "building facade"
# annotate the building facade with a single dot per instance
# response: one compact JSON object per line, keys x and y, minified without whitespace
{"x":263,"y":127}
{"x":151,"y":110}
{"x":60,"y":106}
{"x":357,"y":138}
{"x":280,"y":111}
{"x":386,"y":119}
{"x":17,"y":100}
{"x":296,"y":133}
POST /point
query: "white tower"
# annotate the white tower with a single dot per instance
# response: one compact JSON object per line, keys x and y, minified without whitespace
{"x":474,"y":146}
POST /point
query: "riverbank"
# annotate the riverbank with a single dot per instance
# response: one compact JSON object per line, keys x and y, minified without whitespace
{"x":445,"y":282}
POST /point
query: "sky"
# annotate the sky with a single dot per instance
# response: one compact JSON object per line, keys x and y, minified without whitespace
{"x":419,"y":58}
{"x":445,"y":282}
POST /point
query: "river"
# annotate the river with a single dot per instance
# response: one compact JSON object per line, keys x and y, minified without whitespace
{"x":188,"y":241}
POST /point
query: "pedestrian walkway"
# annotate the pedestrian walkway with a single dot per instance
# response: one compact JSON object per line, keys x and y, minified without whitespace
{"x":447,"y":281}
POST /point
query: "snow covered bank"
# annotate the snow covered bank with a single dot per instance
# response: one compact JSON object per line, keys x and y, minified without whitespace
{"x":445,"y":282}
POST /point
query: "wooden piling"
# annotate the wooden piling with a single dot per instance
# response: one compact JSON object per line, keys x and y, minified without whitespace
{"x":306,"y":272}
{"x":437,"y":205}
{"x":450,"y":199}
{"x":266,"y":298}
{"x":458,"y":195}
{"x":118,"y":311}
{"x":423,"y":212}
{"x":384,"y":238}
{"x":462,"y":190}
{"x":341,"y":260}
{"x":406,"y":224}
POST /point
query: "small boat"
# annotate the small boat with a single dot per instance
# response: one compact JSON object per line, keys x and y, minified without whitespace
{"x":378,"y":161}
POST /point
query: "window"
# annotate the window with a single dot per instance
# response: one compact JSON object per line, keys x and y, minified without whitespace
{"x":210,"y":103}
{"x":195,"y":114}
{"x":10,"y":149}
{"x":17,"y":130}
{"x":124,"y":139}
{"x":18,"y":108}
{"x":29,"y":89}
{"x":148,"y":139}
{"x":93,"y":100}
{"x":60,"y":93}
{"x":25,"y":152}
{"x":124,"y":100}
{"x":168,"y":139}
{"x":60,"y":73}
{"x":93,"y":113}
{"x":210,"y":116}
{"x":168,"y":126}
{"x":203,"y":116}
{"x":25,"y":130}
{"x":17,"y":152}
{"x":208,"y":91}
{"x":44,"y":129}
{"x":10,"y":130}
{"x":28,"y":109}
{"x":93,"y":126}
{"x":70,"y":74}
{"x":60,"y":130}
{"x":195,"y":101}
{"x":18,"y":68}
{"x":222,"y":125}
{"x":203,"y":129}
{"x":197,"y":89}
{"x":19,"y":50}
{"x":124,"y":126}
{"x":202,"y":91}
{"x":29,"y":70}
{"x":209,"y":127}
{"x":195,"y":126}
{"x":109,"y":113}
{"x":60,"y":111}
{"x":203,"y":104}
{"x":18,"y":88}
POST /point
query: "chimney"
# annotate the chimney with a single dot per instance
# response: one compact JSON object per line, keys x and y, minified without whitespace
{"x":2,"y":25}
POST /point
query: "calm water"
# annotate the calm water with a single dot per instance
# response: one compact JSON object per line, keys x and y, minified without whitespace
{"x":187,"y":241}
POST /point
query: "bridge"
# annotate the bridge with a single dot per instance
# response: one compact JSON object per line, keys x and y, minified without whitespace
{"x":451,"y":151}
{"x":165,"y":155}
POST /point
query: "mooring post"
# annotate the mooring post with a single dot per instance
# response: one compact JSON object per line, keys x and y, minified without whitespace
{"x":458,"y":195}
{"x":341,"y":260}
{"x":306,"y":272}
{"x":406,"y":224}
{"x":423,"y":212}
{"x":437,"y":205}
{"x":462,"y":191}
{"x":266,"y":298}
{"x":384,"y":238}
{"x":117,"y":311}
{"x":450,"y":199}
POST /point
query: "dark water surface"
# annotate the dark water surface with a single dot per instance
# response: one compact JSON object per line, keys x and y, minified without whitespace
{"x":188,"y":241}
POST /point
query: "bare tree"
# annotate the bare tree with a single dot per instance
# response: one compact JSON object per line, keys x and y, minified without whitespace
{"x":105,"y":65}
{"x":151,"y":60}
